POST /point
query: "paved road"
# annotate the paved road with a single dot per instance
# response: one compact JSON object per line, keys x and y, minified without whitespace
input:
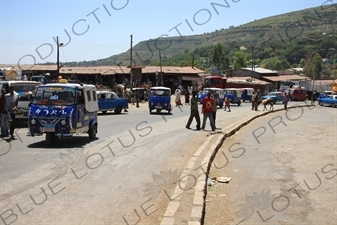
{"x":112,"y":180}
{"x":283,"y":168}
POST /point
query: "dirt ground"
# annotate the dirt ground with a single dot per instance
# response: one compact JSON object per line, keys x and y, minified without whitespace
{"x":283,"y":168}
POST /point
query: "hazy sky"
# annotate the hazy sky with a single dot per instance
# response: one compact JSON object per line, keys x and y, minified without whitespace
{"x":99,"y":29}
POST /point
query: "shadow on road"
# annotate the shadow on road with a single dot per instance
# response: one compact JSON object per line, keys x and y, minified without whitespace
{"x":73,"y":142}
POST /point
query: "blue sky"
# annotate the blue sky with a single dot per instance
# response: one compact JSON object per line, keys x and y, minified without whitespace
{"x":99,"y":29}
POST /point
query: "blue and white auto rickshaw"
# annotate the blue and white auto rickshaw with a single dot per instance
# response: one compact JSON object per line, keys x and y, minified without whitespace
{"x":61,"y":110}
{"x":247,"y":94}
{"x":234,"y":94}
{"x":160,"y":99}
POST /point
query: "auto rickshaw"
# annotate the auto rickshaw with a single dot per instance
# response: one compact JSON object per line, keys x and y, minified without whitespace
{"x":160,"y":99}
{"x":234,"y":94}
{"x":63,"y":109}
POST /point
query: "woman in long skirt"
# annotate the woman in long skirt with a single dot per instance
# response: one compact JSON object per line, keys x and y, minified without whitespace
{"x":178,"y":96}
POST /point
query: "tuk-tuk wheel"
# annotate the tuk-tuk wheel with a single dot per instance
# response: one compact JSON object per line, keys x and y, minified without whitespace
{"x":104,"y":112}
{"x":49,"y":138}
{"x":93,"y":131}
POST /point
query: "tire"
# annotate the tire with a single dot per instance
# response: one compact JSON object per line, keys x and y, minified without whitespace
{"x":50,"y":138}
{"x":92,"y":131}
{"x":158,"y":111}
{"x":320,"y":103}
{"x":104,"y":112}
{"x":118,"y":110}
{"x":239,"y":103}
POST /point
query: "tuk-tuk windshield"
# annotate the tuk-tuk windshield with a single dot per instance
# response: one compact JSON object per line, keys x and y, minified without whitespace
{"x":159,"y":92}
{"x":55,"y":95}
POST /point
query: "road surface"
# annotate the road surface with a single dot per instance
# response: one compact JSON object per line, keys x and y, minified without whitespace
{"x":116,"y":179}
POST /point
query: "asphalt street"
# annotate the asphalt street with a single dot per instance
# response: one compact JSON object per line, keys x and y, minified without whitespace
{"x":115,"y":179}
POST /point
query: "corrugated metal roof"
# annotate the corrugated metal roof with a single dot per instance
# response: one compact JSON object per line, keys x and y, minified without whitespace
{"x":260,"y":70}
{"x":285,"y":78}
{"x":244,"y":80}
{"x":30,"y":67}
{"x":108,"y":70}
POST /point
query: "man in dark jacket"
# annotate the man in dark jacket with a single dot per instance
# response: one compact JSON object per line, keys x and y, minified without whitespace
{"x":3,"y":114}
{"x":194,"y":111}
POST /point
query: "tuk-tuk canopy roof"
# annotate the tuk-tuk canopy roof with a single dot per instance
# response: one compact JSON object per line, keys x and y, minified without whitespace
{"x":161,"y":88}
{"x":72,"y":85}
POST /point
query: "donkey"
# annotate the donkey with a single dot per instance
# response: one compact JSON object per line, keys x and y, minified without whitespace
{"x":266,"y":102}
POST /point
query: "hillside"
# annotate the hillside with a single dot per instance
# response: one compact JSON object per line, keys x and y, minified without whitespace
{"x":286,"y":29}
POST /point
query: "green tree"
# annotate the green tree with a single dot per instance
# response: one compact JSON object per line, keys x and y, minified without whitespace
{"x":218,"y":56}
{"x":277,"y":65}
{"x":302,"y":63}
{"x":226,"y":63}
{"x":240,"y":60}
{"x":317,"y":65}
{"x":313,"y":66}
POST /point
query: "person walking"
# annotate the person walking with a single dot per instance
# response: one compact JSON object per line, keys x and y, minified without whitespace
{"x":215,"y":107}
{"x":194,"y":111}
{"x":285,"y":100}
{"x":178,"y":96}
{"x":3,"y":114}
{"x":253,"y":100}
{"x":257,"y":100}
{"x":12,"y":99}
{"x":187,"y":97}
{"x":207,"y":110}
{"x":125,"y":95}
{"x":227,"y":104}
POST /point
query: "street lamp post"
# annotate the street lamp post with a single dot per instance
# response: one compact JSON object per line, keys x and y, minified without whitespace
{"x":157,"y":78}
{"x":161,"y":71}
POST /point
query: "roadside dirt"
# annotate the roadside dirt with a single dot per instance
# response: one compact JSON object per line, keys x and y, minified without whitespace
{"x":287,"y":178}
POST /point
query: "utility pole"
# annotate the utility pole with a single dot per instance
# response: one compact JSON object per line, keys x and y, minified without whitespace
{"x":131,"y":77}
{"x":161,"y":72}
{"x":58,"y":57}
{"x":253,"y":63}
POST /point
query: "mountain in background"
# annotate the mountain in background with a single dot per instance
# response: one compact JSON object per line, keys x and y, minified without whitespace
{"x":289,"y":33}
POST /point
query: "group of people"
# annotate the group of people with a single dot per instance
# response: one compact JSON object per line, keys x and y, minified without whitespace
{"x":209,"y":108}
{"x":210,"y":104}
{"x":8,"y":109}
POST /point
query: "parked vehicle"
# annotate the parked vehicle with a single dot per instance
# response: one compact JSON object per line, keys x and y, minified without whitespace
{"x":330,"y":100}
{"x":25,"y":89}
{"x":201,"y":95}
{"x":109,"y":101}
{"x":142,"y":93}
{"x":275,"y":96}
{"x":234,"y":94}
{"x":247,"y":94}
{"x":160,"y":99}
{"x":215,"y":82}
{"x":61,"y":110}
{"x":45,"y":78}
{"x":298,"y":94}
